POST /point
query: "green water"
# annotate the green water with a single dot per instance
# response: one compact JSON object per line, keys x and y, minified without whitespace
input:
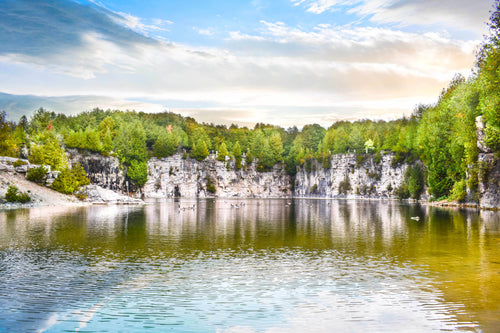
{"x":250,"y":266}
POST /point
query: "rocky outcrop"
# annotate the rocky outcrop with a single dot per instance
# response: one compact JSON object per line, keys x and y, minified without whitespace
{"x":98,"y":195}
{"x":22,"y":166}
{"x":351,"y":176}
{"x":104,"y":171}
{"x":489,"y":171}
{"x":177,"y":177}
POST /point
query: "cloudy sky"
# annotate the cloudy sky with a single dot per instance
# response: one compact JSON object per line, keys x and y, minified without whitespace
{"x":285,"y":62}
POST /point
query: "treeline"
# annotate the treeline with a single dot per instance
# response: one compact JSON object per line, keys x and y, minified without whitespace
{"x":442,"y":135}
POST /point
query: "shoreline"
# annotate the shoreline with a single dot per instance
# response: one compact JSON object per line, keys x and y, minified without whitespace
{"x":74,"y":202}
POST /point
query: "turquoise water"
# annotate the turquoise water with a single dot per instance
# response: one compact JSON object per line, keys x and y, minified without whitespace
{"x":266,"y":266}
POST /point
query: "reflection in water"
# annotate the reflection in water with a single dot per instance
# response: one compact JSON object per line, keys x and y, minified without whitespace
{"x":249,"y":266}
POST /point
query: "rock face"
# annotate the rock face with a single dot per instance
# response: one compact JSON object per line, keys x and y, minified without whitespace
{"x":104,"y":171}
{"x":98,"y":195}
{"x":177,"y":177}
{"x":489,"y":171}
{"x":349,"y":177}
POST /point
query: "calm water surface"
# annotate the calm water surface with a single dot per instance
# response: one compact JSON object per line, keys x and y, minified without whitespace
{"x":267,"y":266}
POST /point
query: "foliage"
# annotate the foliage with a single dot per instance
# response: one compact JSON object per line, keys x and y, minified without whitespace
{"x":413,"y":183}
{"x":19,"y":163}
{"x":46,"y":150}
{"x":210,"y":185}
{"x":70,"y":180}
{"x":166,"y":145}
{"x":458,"y":193}
{"x":222,"y":152}
{"x":130,"y":143}
{"x":345,"y":185}
{"x":199,"y":150}
{"x":9,"y":146}
{"x":13,"y":195}
{"x":237,"y":155}
{"x":37,"y":175}
{"x":138,"y":172}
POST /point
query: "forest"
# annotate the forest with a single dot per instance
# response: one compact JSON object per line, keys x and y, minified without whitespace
{"x":442,"y":136}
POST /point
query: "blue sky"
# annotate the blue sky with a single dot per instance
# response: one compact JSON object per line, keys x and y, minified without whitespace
{"x":286,"y":62}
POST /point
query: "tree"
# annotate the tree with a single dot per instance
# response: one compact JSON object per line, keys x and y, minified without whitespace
{"x":138,"y":172}
{"x":70,"y":180}
{"x":222,"y":152}
{"x":488,"y":63}
{"x":8,"y":146}
{"x":166,"y":145}
{"x":130,"y":143}
{"x":92,"y":140}
{"x":199,"y":150}
{"x":276,"y":147}
{"x":46,"y":150}
{"x":237,"y":155}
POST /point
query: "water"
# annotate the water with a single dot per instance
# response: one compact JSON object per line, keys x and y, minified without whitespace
{"x":267,"y":266}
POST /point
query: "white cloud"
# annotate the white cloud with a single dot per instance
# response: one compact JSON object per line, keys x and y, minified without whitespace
{"x":135,"y":23}
{"x":457,"y":14}
{"x":204,"y":32}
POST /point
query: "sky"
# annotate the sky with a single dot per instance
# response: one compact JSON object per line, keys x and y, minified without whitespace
{"x":283,"y":62}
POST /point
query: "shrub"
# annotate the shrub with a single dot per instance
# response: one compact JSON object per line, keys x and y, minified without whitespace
{"x":458,"y":193}
{"x":13,"y":195}
{"x":345,"y":185}
{"x":313,"y":189}
{"x":210,"y":185}
{"x":402,"y":191}
{"x":37,"y":175}
{"x":70,"y":180}
{"x":23,"y":197}
{"x":19,"y":163}
{"x":138,"y":172}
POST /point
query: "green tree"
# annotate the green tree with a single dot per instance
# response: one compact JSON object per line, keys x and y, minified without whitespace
{"x":166,"y":145}
{"x":237,"y":155}
{"x":489,"y":81}
{"x":199,"y":150}
{"x":92,"y":140}
{"x":46,"y":150}
{"x":222,"y":152}
{"x":70,"y":180}
{"x":130,"y":143}
{"x":138,"y":172}
{"x":8,"y":145}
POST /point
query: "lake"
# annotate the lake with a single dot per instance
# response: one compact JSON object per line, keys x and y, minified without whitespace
{"x":250,"y":266}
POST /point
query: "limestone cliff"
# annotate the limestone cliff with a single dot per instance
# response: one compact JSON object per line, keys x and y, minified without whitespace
{"x":177,"y":177}
{"x":350,"y":176}
{"x":489,"y":171}
{"x":104,"y":171}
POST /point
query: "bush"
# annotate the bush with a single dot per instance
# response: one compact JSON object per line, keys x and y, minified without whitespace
{"x":23,"y":197}
{"x":37,"y":175}
{"x":458,"y":193}
{"x":19,"y":163}
{"x":70,"y":180}
{"x":13,"y":195}
{"x":138,"y":172}
{"x":402,"y":191}
{"x":345,"y":185}
{"x":210,"y":185}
